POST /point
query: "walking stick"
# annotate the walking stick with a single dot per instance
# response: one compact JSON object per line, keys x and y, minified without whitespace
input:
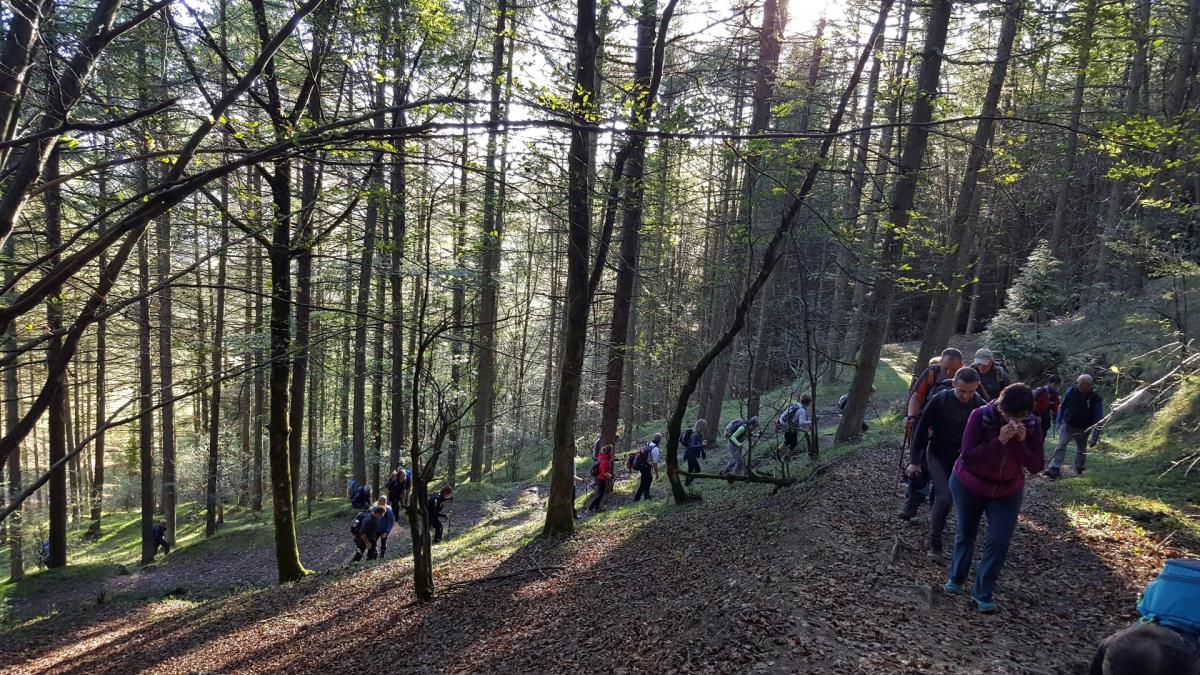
{"x":448,"y":517}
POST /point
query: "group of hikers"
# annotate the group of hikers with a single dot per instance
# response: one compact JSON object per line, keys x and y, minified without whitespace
{"x":971,"y":436}
{"x":372,"y":525}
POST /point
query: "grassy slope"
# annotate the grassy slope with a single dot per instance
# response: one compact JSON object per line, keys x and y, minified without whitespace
{"x":1129,"y":473}
{"x":504,"y":527}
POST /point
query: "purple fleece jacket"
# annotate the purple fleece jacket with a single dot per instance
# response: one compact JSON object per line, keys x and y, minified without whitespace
{"x":990,"y":468}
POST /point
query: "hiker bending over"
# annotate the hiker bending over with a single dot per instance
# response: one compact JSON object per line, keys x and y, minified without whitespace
{"x":738,"y":432}
{"x":602,"y":471}
{"x":1166,"y":639}
{"x":693,"y":447}
{"x":992,"y":376}
{"x":397,"y":487}
{"x":1081,"y":410}
{"x":927,"y":384}
{"x":159,"y":534}
{"x":1045,"y":403}
{"x":365,"y":530}
{"x":644,"y":462}
{"x":937,"y":439}
{"x":436,"y":503}
{"x":385,"y":525}
{"x":792,"y":421}
{"x":1001,"y":442}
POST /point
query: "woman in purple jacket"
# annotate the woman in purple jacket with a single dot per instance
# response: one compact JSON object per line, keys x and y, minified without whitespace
{"x":1002,"y":441}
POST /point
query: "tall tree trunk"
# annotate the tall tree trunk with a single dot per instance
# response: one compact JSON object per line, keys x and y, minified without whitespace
{"x":850,"y":214}
{"x":642,"y":97}
{"x":218,"y":343}
{"x":889,"y":142}
{"x":1083,"y":62}
{"x":559,"y":517}
{"x":767,"y":325}
{"x":16,"y":563}
{"x":943,"y":318}
{"x":166,"y":374}
{"x":56,"y":430}
{"x":900,"y":213}
{"x":769,"y":46}
{"x":399,"y":202}
{"x":259,"y":387}
{"x":489,"y":262}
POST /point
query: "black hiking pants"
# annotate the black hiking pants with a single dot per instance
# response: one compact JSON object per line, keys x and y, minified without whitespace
{"x":644,"y":485}
{"x":693,"y":467}
{"x":367,"y":546}
{"x":601,"y":490}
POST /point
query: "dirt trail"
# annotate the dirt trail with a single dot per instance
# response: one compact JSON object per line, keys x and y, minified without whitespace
{"x":813,"y":580}
{"x":205,"y":571}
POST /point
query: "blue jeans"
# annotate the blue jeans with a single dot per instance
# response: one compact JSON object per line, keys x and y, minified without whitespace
{"x":1002,"y":521}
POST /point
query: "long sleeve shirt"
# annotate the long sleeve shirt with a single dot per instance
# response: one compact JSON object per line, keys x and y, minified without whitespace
{"x":990,"y":468}
{"x":939,"y":431}
{"x":736,"y":438}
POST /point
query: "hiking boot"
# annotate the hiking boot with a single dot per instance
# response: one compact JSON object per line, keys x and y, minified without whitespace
{"x":906,"y":513}
{"x":934,"y":552}
{"x":1053,"y":473}
{"x":985,"y":606}
{"x":952,"y":587}
{"x":1079,"y":471}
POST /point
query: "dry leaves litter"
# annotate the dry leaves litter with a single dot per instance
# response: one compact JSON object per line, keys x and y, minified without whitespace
{"x":818,"y":580}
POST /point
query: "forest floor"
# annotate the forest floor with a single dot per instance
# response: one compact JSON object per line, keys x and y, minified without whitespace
{"x":820,"y":577}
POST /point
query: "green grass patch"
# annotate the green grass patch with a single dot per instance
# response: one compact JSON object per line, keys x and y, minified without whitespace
{"x":1131,"y":474}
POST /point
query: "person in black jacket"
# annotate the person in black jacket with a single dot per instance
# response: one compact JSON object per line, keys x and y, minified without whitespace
{"x":366,"y":535}
{"x":436,"y":504}
{"x":159,"y":532}
{"x":1079,"y":412}
{"x":693,"y":443}
{"x":937,"y":439}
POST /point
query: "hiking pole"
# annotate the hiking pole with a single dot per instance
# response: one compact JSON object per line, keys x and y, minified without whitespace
{"x":448,"y":517}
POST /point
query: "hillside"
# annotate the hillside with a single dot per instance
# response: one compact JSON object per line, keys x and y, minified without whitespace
{"x":794,"y":582}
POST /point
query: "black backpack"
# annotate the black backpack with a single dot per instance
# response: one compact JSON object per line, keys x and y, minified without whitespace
{"x":686,"y":440}
{"x":642,"y":459}
{"x":356,"y":525}
{"x":732,"y":427}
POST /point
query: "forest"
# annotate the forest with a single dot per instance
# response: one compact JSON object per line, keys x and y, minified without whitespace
{"x":257,"y":254}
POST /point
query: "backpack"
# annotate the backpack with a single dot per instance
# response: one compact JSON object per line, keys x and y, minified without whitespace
{"x":686,"y":440}
{"x":785,"y":419}
{"x":1173,"y":599}
{"x":932,"y":375}
{"x":732,"y":427}
{"x":938,"y":387}
{"x":641,"y":459}
{"x":353,"y":489}
{"x":357,"y":523}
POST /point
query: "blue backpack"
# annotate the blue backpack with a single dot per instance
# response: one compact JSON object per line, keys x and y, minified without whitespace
{"x":1173,"y":599}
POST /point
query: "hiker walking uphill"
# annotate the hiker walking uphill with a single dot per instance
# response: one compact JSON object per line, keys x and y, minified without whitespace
{"x":1080,"y":411}
{"x":929,"y":383}
{"x":384,"y":527}
{"x":1045,"y":403}
{"x":693,"y":444}
{"x":437,"y":502}
{"x":645,"y":462}
{"x":360,"y":495}
{"x":159,"y":534}
{"x":738,"y":432}
{"x":792,"y":421}
{"x":365,"y":530}
{"x":937,"y":439}
{"x":602,"y":471}
{"x":993,"y":377}
{"x":1001,"y":442}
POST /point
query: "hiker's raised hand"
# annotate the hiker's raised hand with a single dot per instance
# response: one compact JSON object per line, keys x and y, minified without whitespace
{"x":1020,"y":432}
